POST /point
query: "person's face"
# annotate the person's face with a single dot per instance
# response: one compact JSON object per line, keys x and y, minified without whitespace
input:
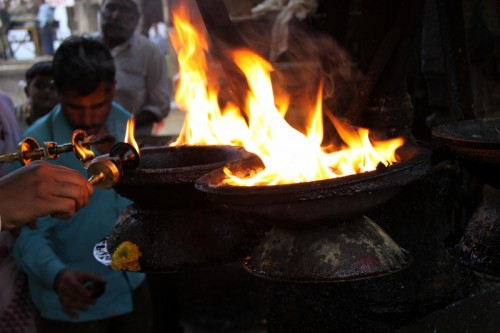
{"x":119,"y":19}
{"x":42,"y":94}
{"x":88,"y":112}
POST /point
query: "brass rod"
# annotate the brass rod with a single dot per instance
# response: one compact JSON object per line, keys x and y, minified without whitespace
{"x":94,"y":179}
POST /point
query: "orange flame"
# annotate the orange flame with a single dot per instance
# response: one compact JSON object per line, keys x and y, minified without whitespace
{"x":129,"y":134}
{"x":289,"y":156}
{"x":84,"y":153}
{"x":82,"y":149}
{"x":204,"y":123}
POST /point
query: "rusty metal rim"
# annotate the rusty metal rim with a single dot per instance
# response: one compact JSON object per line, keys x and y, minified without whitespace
{"x":373,"y":180}
{"x":354,"y":249}
{"x":276,"y":277}
{"x":181,"y":169}
{"x":487,"y":264}
{"x":459,"y":133}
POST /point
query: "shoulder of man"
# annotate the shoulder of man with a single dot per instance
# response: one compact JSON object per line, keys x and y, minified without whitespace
{"x":119,"y":111}
{"x":93,"y":34}
{"x":41,"y":127}
{"x":143,"y":43}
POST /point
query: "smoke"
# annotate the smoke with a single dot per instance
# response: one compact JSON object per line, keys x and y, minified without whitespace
{"x":311,"y":58}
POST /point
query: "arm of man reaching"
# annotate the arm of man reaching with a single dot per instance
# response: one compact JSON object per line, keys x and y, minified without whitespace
{"x":40,"y":189}
{"x":35,"y":252}
{"x":74,"y":290}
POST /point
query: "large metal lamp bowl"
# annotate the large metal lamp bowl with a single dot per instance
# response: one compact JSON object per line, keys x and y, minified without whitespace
{"x":173,"y":225}
{"x":477,"y":143}
{"x":319,"y":233}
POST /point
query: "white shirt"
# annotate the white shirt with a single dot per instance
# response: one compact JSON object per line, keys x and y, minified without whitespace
{"x":142,"y":82}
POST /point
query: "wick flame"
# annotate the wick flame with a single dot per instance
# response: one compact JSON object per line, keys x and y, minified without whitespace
{"x":289,"y":155}
{"x":129,"y":134}
{"x":25,"y":146}
{"x":83,"y":152}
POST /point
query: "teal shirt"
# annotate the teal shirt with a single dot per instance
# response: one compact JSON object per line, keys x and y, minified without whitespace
{"x":58,"y":244}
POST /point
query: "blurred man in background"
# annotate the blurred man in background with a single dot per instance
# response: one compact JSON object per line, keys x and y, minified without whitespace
{"x":142,"y":84}
{"x":40,"y":93}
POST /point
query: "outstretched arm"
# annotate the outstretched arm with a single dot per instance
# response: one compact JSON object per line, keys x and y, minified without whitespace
{"x":40,"y":189}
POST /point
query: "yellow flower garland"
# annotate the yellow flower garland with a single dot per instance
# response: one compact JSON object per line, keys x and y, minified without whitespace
{"x":126,"y":257}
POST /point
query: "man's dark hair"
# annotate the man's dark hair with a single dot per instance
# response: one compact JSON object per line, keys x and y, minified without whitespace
{"x":81,"y":64}
{"x":38,"y":68}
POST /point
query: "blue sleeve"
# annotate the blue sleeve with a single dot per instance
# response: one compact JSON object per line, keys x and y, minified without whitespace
{"x":34,"y":252}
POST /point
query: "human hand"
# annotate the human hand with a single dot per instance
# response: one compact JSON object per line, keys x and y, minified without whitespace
{"x":70,"y":287}
{"x":144,"y":118}
{"x":40,"y":189}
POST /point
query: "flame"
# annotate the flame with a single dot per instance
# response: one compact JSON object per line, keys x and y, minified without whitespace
{"x":129,"y":134}
{"x":25,"y":146}
{"x":83,"y":151}
{"x":205,"y":123}
{"x":289,"y":155}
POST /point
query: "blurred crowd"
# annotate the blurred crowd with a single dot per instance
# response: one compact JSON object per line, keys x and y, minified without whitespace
{"x":94,"y":81}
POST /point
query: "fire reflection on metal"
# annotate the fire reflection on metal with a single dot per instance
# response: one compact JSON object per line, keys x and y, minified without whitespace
{"x":104,"y":171}
{"x":319,"y":231}
{"x":30,"y":150}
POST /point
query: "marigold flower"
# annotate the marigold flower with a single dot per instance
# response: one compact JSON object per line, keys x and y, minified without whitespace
{"x":126,"y":257}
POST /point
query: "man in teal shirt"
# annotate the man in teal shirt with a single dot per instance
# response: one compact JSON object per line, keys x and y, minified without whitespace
{"x":58,"y":256}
